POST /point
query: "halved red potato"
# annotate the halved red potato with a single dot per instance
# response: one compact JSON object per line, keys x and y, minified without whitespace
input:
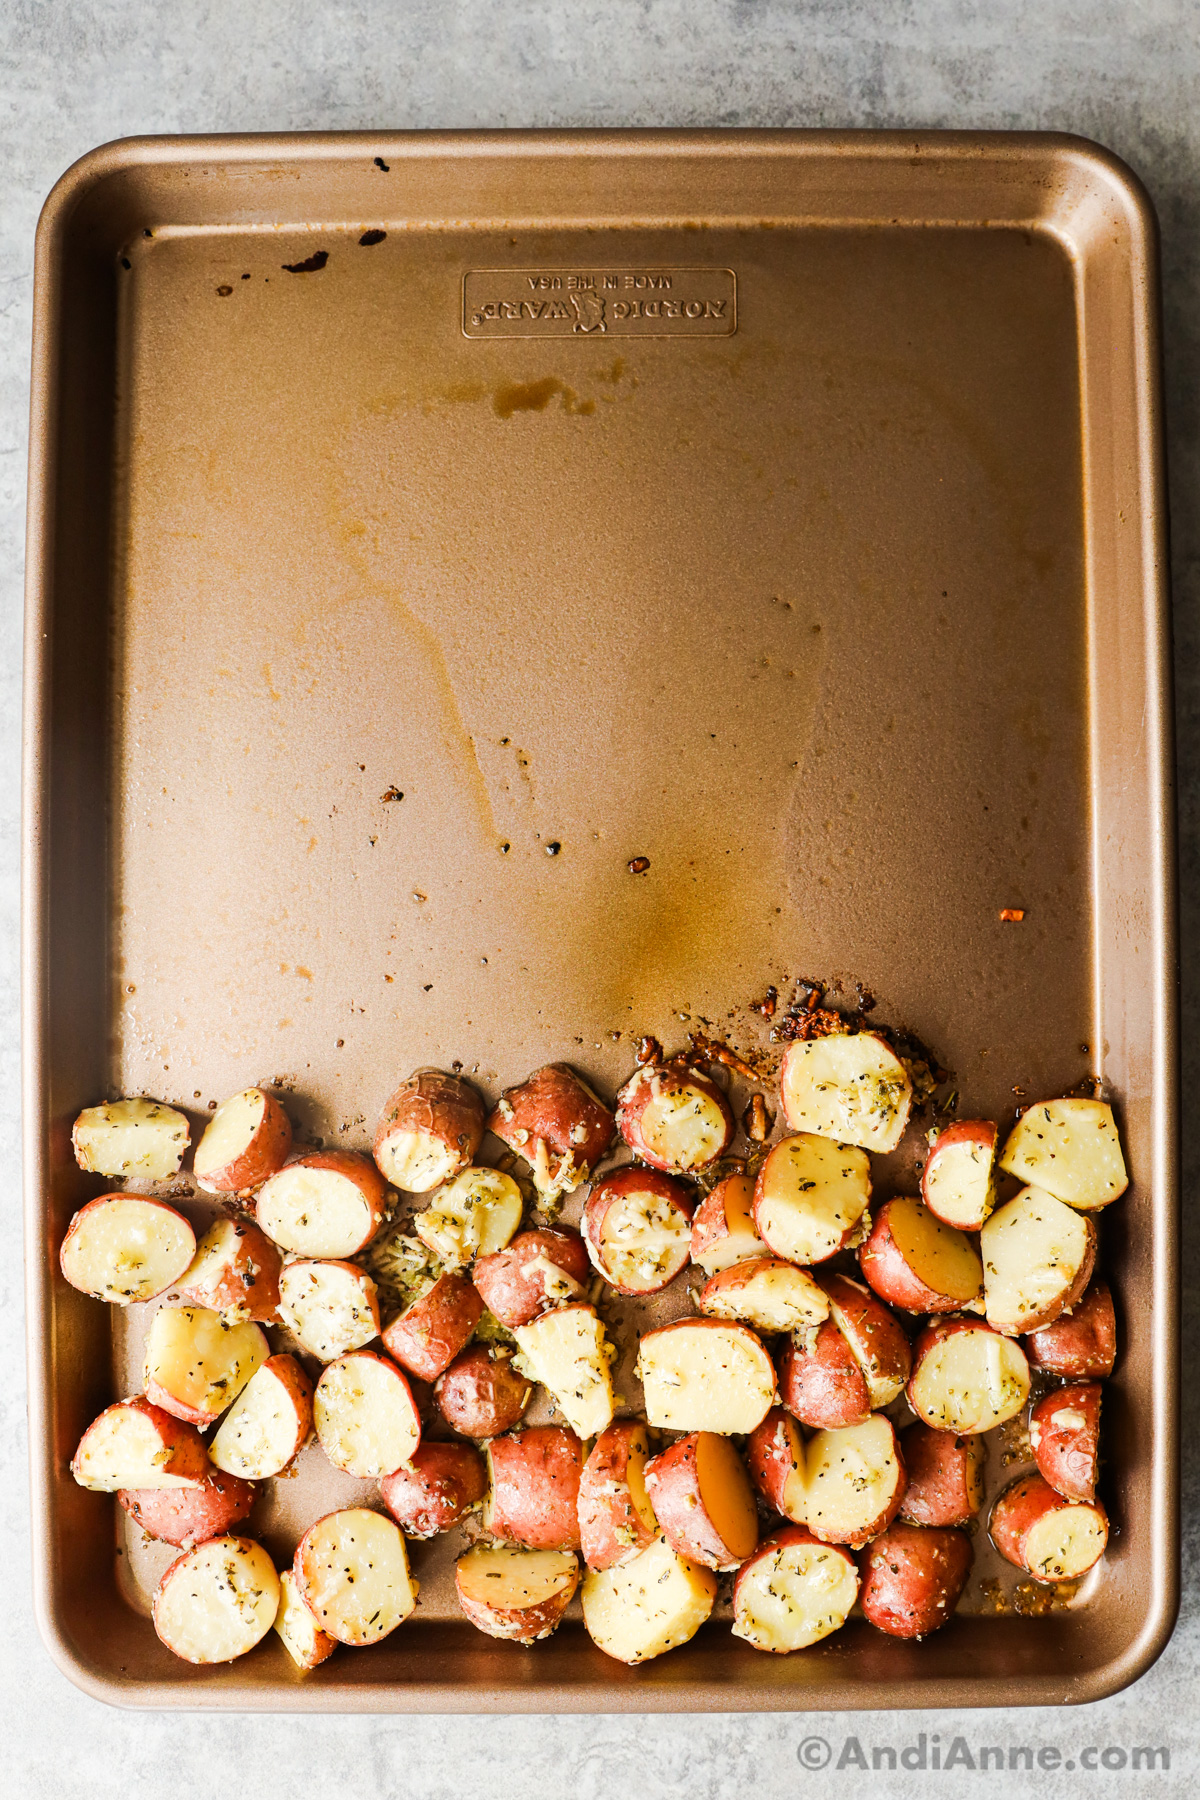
{"x":1081,"y":1342}
{"x":482,"y":1393}
{"x":914,"y":1261}
{"x":235,"y":1272}
{"x":1038,"y":1257}
{"x":473,"y":1215}
{"x":136,"y":1139}
{"x":1046,"y":1535}
{"x":330,"y":1307}
{"x":197,"y":1365}
{"x":269,"y":1422}
{"x":533,"y":1488}
{"x":121,"y":1247}
{"x":703,"y":1500}
{"x":432,"y":1492}
{"x":305,"y":1642}
{"x":656,"y":1601}
{"x":351,"y":1570}
{"x":428,"y":1335}
{"x":967,"y":1376}
{"x":136,"y":1444}
{"x":958,"y":1184}
{"x":851,"y":1088}
{"x":853,"y":1481}
{"x":674,"y":1118}
{"x":637,"y":1226}
{"x":217,"y":1601}
{"x":429,"y":1130}
{"x":568,"y":1353}
{"x":558,"y":1125}
{"x":775,"y":1459}
{"x":247,"y":1139}
{"x":767,"y":1293}
{"x":187,"y":1516}
{"x":945,"y":1475}
{"x":811,"y":1197}
{"x":821,"y":1382}
{"x":366,"y":1418}
{"x":913,"y":1578}
{"x":616,"y":1519}
{"x":875,"y":1337}
{"x":705,"y":1375}
{"x":723,"y":1228}
{"x":326,"y":1203}
{"x":538,"y":1269}
{"x":516,"y":1594}
{"x":794,"y":1591}
{"x":1069,"y":1148}
{"x":1064,"y":1432}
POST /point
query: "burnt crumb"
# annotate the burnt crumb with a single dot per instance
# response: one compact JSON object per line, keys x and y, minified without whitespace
{"x":802,"y":1024}
{"x":372,"y":237}
{"x":246,"y":276}
{"x":766,"y":1006}
{"x":809,"y":994}
{"x":309,"y":266}
{"x":505,"y":848}
{"x":638,"y":865}
{"x":554,"y":848}
{"x":757,"y":1121}
{"x":224,"y":290}
{"x":1011,"y":915}
{"x":428,"y":988}
{"x":125,"y":263}
{"x":705,"y":1050}
{"x":380,"y":164}
{"x":649,"y":1050}
{"x":391,"y":793}
{"x":866,"y":999}
{"x":341,"y":1044}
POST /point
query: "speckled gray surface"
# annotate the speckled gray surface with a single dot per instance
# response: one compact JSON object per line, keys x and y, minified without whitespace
{"x":73,"y":75}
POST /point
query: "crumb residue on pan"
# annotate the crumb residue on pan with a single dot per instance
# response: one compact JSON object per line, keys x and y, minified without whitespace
{"x":535,"y":396}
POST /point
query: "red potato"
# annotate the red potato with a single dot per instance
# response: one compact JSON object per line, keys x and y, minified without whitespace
{"x":247,"y":1139}
{"x":330,"y":1307}
{"x":810,"y":1198}
{"x":851,"y":1088}
{"x":121,"y":1247}
{"x":703,"y":1500}
{"x":820,"y":1381}
{"x":1081,"y":1343}
{"x":913,"y":1578}
{"x":636,"y":1610}
{"x":1046,"y":1535}
{"x":854,"y":1481}
{"x":133,"y":1139}
{"x":217,"y":1601}
{"x":482,"y":1394}
{"x":945,"y":1475}
{"x":705,"y":1375}
{"x":767,"y":1293}
{"x":235,"y":1272}
{"x":366,"y":1418}
{"x":539,"y":1269}
{"x":429,"y":1130}
{"x":1068,"y":1148}
{"x":558,"y":1125}
{"x":1064,"y":1432}
{"x":305,"y":1642}
{"x":875,"y":1337}
{"x":533,"y":1492}
{"x":473,"y":1215}
{"x":351,"y":1571}
{"x":433,"y":1491}
{"x":136,"y":1444}
{"x":196,"y":1365}
{"x":966,"y":1376}
{"x":187,"y":1516}
{"x":723,"y":1228}
{"x":775,"y":1459}
{"x":520,"y":1595}
{"x":428,"y":1335}
{"x":616,"y":1519}
{"x":793,"y":1591}
{"x":567,"y":1351}
{"x":268,"y":1424}
{"x":326,"y":1203}
{"x":1038,"y":1257}
{"x":914,"y":1261}
{"x":674,"y":1118}
{"x":637,"y":1226}
{"x":959,"y":1180}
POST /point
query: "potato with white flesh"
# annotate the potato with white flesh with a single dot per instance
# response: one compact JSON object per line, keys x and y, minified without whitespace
{"x":351,"y":1570}
{"x":767,"y":1293}
{"x":365,"y":1415}
{"x":637,"y":1226}
{"x":967,"y":1377}
{"x":533,"y":1488}
{"x":476,"y":1214}
{"x":483,"y":1393}
{"x":305,"y":1642}
{"x":616,"y":1519}
{"x":326,"y":1203}
{"x":793,"y":1591}
{"x":1064,"y":1433}
{"x":703,"y":1500}
{"x":428,"y":1335}
{"x":558,"y":1125}
{"x":1044,"y":1534}
{"x":247,"y":1139}
{"x":1071,"y":1149}
{"x":519,"y":1595}
{"x":187,"y":1516}
{"x":705,"y":1375}
{"x":775,"y":1459}
{"x":914,"y":1261}
{"x":945,"y":1475}
{"x":197,"y":1365}
{"x":876,"y":1338}
{"x":1038,"y":1257}
{"x":913,"y":1578}
{"x":268,"y":1424}
{"x":851,"y":1088}
{"x":674,"y":1118}
{"x":217,"y":1601}
{"x":821,"y":1382}
{"x":330,"y":1307}
{"x":136,"y":1444}
{"x":656,"y":1601}
{"x":1080,"y":1344}
{"x":139,"y":1140}
{"x":958,"y":1184}
{"x":539,"y":1269}
{"x":429,"y":1130}
{"x":122,"y":1248}
{"x":235,"y":1272}
{"x":810,"y":1198}
{"x":723,"y":1228}
{"x":853,"y":1481}
{"x":568,"y":1353}
{"x":431,"y":1492}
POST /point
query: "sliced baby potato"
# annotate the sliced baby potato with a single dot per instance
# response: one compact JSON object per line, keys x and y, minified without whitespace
{"x":136,"y":1444}
{"x":1069,"y":1148}
{"x":187,"y":1516}
{"x":217,"y":1601}
{"x":558,"y":1125}
{"x":326,"y":1203}
{"x":767,"y":1293}
{"x":851,"y":1088}
{"x":121,"y":1248}
{"x":959,"y":1180}
{"x":483,"y":1393}
{"x":539,"y":1269}
{"x":705,"y":1375}
{"x":703,"y":1500}
{"x":723,"y":1228}
{"x":366,"y":1417}
{"x":330,"y":1307}
{"x":775,"y":1458}
{"x":1046,"y":1535}
{"x":853,"y":1481}
{"x":475,"y":1214}
{"x":268,"y":1424}
{"x":616,"y":1519}
{"x":351,"y":1571}
{"x":913,"y":1578}
{"x":945,"y":1475}
{"x":674,"y":1118}
{"x":235,"y":1272}
{"x":305,"y":1642}
{"x":914,"y":1261}
{"x":533,"y":1488}
{"x":637,"y":1226}
{"x":821,"y":1381}
{"x":568,"y":1353}
{"x":429,"y":1130}
{"x":516,"y":1594}
{"x":811,"y":1197}
{"x":428,"y":1335}
{"x":1082,"y":1342}
{"x":876,"y":1339}
{"x":432,"y":1491}
{"x":793,"y":1591}
{"x":656,"y":1601}
{"x":966,"y":1376}
{"x":136,"y":1139}
{"x":1038,"y":1256}
{"x":197,"y":1365}
{"x":247,"y":1139}
{"x":1064,"y":1432}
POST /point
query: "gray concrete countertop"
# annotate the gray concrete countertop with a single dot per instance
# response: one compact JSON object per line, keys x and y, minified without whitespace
{"x":74,"y":73}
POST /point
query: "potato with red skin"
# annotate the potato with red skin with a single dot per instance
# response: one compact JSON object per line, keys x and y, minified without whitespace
{"x":538,"y":1269}
{"x":235,"y":1272}
{"x":247,"y":1139}
{"x":674,"y":1118}
{"x":854,"y":1481}
{"x":302,"y":1638}
{"x":330,"y":1307}
{"x":429,"y":1334}
{"x":519,"y":1595}
{"x":723,"y":1229}
{"x":216,"y":1601}
{"x":1044,"y":1534}
{"x":325,"y":1203}
{"x":1064,"y":1432}
{"x":481,"y":1394}
{"x":351,"y":1570}
{"x":875,"y":1336}
{"x":126,"y":1247}
{"x":136,"y":1444}
{"x":1082,"y":1342}
{"x":958,"y":1183}
{"x":766,"y":1293}
{"x":811,"y":1197}
{"x":966,"y":1376}
{"x":775,"y":1459}
{"x":533,"y":1492}
{"x":196,"y":1365}
{"x":268,"y":1424}
{"x":637,"y":1226}
{"x":945,"y":1475}
{"x":914,"y":1261}
{"x":616,"y":1519}
{"x":432,"y":1492}
{"x":850,"y":1087}
{"x":821,"y":1383}
{"x":1038,"y":1257}
{"x":557,"y":1124}
{"x":705,"y":1375}
{"x":366,"y":1415}
{"x":187,"y":1516}
{"x":703,"y":1500}
{"x":793,"y":1591}
{"x":913,"y":1578}
{"x":429,"y":1129}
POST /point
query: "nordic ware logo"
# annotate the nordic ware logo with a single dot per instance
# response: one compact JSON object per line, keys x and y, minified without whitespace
{"x":583,"y":303}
